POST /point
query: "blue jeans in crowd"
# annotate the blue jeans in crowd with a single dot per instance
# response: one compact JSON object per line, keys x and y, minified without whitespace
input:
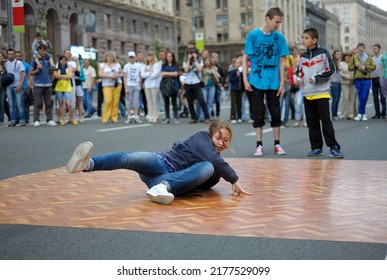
{"x":153,"y":169}
{"x":363,"y":88}
{"x":298,"y":102}
{"x":335,"y":94}
{"x":16,"y":105}
{"x":87,"y":101}
{"x":209,"y":97}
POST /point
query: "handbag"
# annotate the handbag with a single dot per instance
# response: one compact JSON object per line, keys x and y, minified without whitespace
{"x":167,"y":86}
{"x":201,"y":83}
{"x":8,"y":78}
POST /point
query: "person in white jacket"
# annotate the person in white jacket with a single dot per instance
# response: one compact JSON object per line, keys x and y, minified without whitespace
{"x":150,"y":74}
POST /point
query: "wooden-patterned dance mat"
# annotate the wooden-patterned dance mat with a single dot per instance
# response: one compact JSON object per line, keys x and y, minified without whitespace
{"x":323,"y":199}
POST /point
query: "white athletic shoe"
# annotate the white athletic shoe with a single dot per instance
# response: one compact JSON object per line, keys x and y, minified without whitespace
{"x":51,"y":123}
{"x":79,"y":161}
{"x":36,"y":124}
{"x":160,"y":194}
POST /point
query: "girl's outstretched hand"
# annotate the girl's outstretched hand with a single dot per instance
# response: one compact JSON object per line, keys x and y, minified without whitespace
{"x":237,"y":189}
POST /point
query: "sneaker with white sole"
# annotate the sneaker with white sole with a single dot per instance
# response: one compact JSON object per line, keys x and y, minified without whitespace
{"x":278,"y":150}
{"x":51,"y":123}
{"x":364,"y":118}
{"x":358,"y":118}
{"x":159,"y":193}
{"x":80,"y":160}
{"x":37,"y":124}
{"x":258,"y":151}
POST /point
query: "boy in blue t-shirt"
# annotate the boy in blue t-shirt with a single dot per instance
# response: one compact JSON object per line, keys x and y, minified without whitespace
{"x":266,"y":48}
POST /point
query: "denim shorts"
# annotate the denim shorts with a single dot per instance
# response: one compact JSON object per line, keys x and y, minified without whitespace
{"x":63,"y":95}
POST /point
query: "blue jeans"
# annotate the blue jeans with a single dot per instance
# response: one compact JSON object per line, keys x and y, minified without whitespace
{"x":153,"y":169}
{"x":335,"y":94}
{"x":16,"y":105}
{"x":298,"y":102}
{"x":87,"y":101}
{"x":363,"y":90}
{"x":209,"y":97}
{"x":285,"y":104}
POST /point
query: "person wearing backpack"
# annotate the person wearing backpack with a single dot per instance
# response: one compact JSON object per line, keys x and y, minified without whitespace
{"x":15,"y":89}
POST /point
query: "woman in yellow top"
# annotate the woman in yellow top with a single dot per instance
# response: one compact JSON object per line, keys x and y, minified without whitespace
{"x":110,"y":72}
{"x":63,"y":90}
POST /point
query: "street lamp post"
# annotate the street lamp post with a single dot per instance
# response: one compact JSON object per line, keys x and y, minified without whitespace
{"x":9,"y":27}
{"x":191,"y":3}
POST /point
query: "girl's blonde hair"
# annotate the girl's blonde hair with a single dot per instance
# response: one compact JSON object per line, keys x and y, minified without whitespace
{"x":110,"y":53}
{"x":154,"y":60}
{"x":218,"y":124}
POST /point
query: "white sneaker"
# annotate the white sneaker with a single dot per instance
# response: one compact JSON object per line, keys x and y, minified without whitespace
{"x":233,"y":121}
{"x":258,"y":151}
{"x":36,"y":124}
{"x":127,"y":120}
{"x":51,"y":123}
{"x":364,"y":119}
{"x":160,"y":194}
{"x":278,"y":150}
{"x":80,"y":160}
{"x":358,"y":118}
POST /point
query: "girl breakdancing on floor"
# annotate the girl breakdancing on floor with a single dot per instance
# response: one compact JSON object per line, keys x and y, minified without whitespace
{"x":192,"y":164}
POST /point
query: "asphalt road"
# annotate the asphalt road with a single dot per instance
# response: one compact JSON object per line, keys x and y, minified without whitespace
{"x":29,"y":149}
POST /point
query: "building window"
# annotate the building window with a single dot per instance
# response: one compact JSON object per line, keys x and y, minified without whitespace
{"x":246,"y":3}
{"x":222,"y":4}
{"x":108,"y":23}
{"x":199,"y":22}
{"x":177,"y":5}
{"x":222,"y":37}
{"x":146,"y":28}
{"x":346,"y":29}
{"x":225,"y":37}
{"x":109,"y":45}
{"x":222,"y":20}
{"x":244,"y":35}
{"x":157,"y":31}
{"x":167,"y":32}
{"x":134,"y":26}
{"x":121,"y":23}
{"x":123,"y":48}
{"x":94,"y":43}
{"x":346,"y":39}
{"x":247,"y":18}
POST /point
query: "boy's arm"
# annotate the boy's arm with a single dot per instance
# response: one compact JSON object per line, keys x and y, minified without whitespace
{"x":331,"y":69}
{"x":245,"y":59}
{"x":281,"y":89}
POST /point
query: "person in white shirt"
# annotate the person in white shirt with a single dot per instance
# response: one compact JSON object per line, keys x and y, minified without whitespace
{"x":132,"y":84}
{"x":88,"y":86}
{"x":150,"y":73}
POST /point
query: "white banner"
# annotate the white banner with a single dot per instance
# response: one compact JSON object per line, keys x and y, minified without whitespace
{"x":193,"y":269}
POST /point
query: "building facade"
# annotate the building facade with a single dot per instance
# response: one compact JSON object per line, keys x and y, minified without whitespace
{"x":118,"y":25}
{"x":226,"y":23}
{"x":360,"y":22}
